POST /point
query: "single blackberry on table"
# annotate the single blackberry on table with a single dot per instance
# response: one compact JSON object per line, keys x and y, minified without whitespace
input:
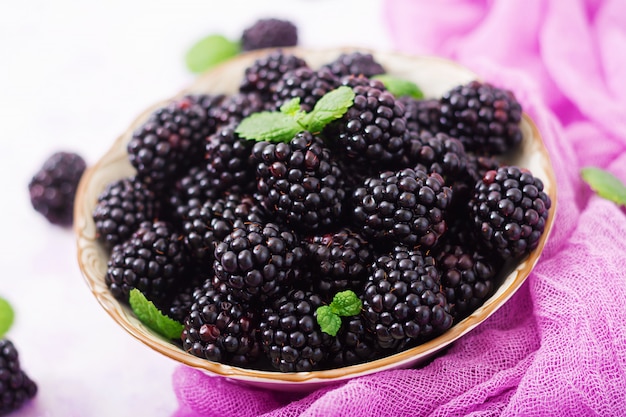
{"x":355,"y":63}
{"x":406,"y":206}
{"x":257,"y":261}
{"x":269,"y":33}
{"x":53,"y":187}
{"x":509,"y":210}
{"x":207,"y":224}
{"x":152,"y":260}
{"x":236,"y":107}
{"x":221,"y":329}
{"x":338,"y":260}
{"x":290,"y":335}
{"x":402,"y":301}
{"x":353,"y":344}
{"x":16,"y":388}
{"x":299,"y":182}
{"x":169,"y":142}
{"x":422,"y":114}
{"x":264,"y":73}
{"x":121,"y":208}
{"x":306,"y":84}
{"x":482,"y":116}
{"x":229,"y":162}
{"x":373,"y":130}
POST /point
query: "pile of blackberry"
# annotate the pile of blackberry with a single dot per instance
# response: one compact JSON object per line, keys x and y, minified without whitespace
{"x":402,"y":201}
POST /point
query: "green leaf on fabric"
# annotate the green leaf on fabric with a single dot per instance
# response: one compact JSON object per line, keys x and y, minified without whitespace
{"x":329,"y":322}
{"x":400,"y":87}
{"x":346,"y":303}
{"x":210,"y":51}
{"x":605,"y":184}
{"x":7,"y":315}
{"x":152,"y":317}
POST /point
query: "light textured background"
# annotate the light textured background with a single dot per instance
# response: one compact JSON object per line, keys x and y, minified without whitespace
{"x":73,"y":75}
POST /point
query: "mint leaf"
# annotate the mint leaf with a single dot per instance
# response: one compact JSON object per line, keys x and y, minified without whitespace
{"x":346,"y":303}
{"x":149,"y":315}
{"x":400,"y":87}
{"x":292,"y":107}
{"x":282,"y":126}
{"x":269,"y":126}
{"x":331,"y":106}
{"x":329,"y":322}
{"x":605,"y":184}
{"x":6,"y":317}
{"x":210,"y":51}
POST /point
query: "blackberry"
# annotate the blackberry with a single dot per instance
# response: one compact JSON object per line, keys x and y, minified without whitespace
{"x":438,"y":153}
{"x":290,"y":335}
{"x":509,"y":210}
{"x":121,"y":207}
{"x":355,"y":63}
{"x":228,"y":162}
{"x":306,"y":84}
{"x":178,"y":305}
{"x":354,"y":344}
{"x":190,"y":190}
{"x":478,"y":165}
{"x":299,"y":182}
{"x":338,"y":260}
{"x":53,"y":187}
{"x":236,"y":107}
{"x":269,"y":33}
{"x":422,"y":114}
{"x":209,"y":103}
{"x":16,"y":388}
{"x":221,"y":329}
{"x":264,"y":73}
{"x":169,"y":142}
{"x":468,"y":272}
{"x":373,"y":130}
{"x":402,"y":302}
{"x":406,"y":206}
{"x":484,"y":117}
{"x":256,"y":261}
{"x":152,"y":260}
{"x":207,"y":224}
{"x":362,"y":81}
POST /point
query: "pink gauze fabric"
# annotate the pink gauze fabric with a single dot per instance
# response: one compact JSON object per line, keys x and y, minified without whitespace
{"x":558,"y":347}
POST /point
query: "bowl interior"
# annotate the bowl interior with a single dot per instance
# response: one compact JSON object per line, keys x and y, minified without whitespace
{"x":434,"y":76}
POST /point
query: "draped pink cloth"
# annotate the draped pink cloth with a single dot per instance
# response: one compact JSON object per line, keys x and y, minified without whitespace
{"x":558,"y":347}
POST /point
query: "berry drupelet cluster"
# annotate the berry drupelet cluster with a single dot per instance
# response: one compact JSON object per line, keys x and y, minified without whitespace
{"x":401,"y":202}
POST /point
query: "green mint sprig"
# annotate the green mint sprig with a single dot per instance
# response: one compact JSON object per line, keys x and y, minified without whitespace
{"x":400,"y":87}
{"x":7,"y":316}
{"x":605,"y":184}
{"x":210,"y":51}
{"x":344,"y":304}
{"x":152,"y":317}
{"x":283,"y":125}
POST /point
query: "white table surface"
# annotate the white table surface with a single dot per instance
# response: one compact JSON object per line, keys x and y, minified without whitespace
{"x":73,"y":75}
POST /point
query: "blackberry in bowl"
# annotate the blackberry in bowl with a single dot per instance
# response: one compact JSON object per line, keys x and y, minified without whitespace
{"x":447,"y":282}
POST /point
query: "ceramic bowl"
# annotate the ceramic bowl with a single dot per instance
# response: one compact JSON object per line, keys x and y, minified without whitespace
{"x":434,"y":76}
